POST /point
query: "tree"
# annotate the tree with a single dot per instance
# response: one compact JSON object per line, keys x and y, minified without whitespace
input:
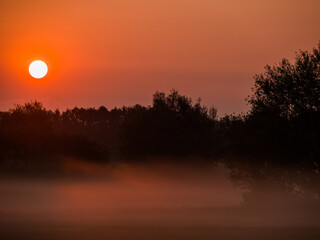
{"x":173,"y":126}
{"x":289,"y":90}
{"x":282,"y":128}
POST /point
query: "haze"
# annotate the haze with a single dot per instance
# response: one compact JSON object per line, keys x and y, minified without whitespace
{"x":143,"y":201}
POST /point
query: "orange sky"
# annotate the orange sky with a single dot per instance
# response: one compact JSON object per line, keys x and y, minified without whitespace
{"x":119,"y":52}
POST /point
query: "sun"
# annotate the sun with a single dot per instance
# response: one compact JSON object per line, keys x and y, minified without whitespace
{"x":38,"y":69}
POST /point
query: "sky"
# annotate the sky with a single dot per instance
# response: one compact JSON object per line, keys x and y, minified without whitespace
{"x":120,"y":52}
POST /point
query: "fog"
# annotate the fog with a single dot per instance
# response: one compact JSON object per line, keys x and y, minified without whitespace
{"x":146,"y":201}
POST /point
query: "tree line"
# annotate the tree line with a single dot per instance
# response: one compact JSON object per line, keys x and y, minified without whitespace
{"x":278,"y":138}
{"x":172,"y":126}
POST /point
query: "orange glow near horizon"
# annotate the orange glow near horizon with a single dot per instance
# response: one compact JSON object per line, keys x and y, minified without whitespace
{"x":120,"y":52}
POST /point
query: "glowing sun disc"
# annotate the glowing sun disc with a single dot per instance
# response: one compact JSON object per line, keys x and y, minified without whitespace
{"x":38,"y":69}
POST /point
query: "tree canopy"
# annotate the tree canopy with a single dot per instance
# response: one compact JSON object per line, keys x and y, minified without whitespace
{"x":287,"y":89}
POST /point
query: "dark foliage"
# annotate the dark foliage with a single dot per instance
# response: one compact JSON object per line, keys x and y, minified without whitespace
{"x":31,"y":132}
{"x":279,"y":139}
{"x":172,"y":126}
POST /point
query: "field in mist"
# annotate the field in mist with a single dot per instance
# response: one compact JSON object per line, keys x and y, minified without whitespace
{"x":146,"y":201}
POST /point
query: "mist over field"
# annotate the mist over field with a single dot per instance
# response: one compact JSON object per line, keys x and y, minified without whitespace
{"x":141,"y":201}
{"x":174,"y":169}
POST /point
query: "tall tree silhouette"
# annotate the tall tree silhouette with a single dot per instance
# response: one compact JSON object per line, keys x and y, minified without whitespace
{"x":281,"y":134}
{"x":289,"y":90}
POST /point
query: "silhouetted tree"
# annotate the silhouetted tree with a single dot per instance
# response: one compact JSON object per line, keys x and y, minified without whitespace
{"x":280,"y":137}
{"x":173,"y":125}
{"x":289,"y":90}
{"x":30,"y":133}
